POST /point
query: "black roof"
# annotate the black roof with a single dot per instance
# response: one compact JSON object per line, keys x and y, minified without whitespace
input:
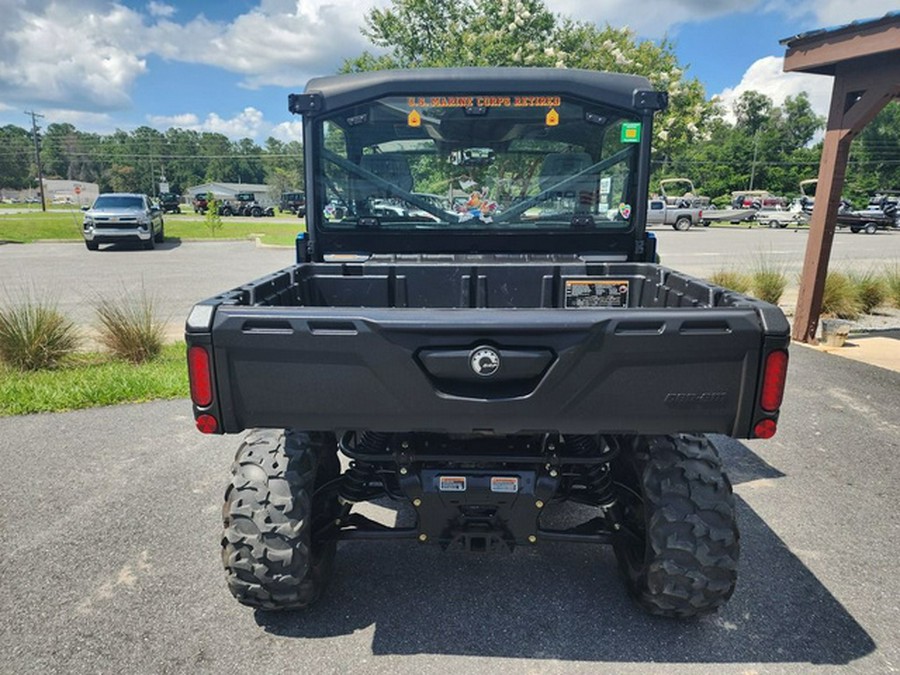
{"x":614,"y":89}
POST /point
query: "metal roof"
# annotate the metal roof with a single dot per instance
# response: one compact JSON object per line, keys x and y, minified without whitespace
{"x":852,"y":27}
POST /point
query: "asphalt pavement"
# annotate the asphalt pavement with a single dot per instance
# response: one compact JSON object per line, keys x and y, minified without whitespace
{"x":110,"y":523}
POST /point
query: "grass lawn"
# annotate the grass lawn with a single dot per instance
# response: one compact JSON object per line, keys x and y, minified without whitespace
{"x":28,"y":227}
{"x":191,"y":226}
{"x":91,"y":380}
{"x":37,"y":226}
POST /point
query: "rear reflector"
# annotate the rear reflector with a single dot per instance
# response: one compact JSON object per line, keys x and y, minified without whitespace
{"x":207,"y":424}
{"x":774,"y":376}
{"x":765,"y":429}
{"x":200,"y":376}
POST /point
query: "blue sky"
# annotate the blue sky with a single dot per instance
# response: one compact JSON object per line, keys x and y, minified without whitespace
{"x":228,"y":66}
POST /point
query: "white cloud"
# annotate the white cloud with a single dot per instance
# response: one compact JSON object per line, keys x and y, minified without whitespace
{"x":651,"y":18}
{"x":278,"y":43}
{"x":829,"y":13}
{"x":185,"y":120}
{"x":160,"y":9}
{"x":76,"y":57}
{"x":89,"y":53}
{"x":248,"y":123}
{"x":288,"y":131}
{"x":766,"y":76}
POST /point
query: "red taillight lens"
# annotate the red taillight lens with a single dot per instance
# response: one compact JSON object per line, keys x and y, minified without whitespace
{"x":207,"y":424}
{"x":774,"y":376}
{"x":765,"y":429}
{"x":200,"y":376}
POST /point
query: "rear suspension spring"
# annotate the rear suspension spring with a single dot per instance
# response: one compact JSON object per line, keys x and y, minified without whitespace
{"x":597,"y":477}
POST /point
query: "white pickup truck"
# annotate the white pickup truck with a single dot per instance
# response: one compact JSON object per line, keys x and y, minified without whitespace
{"x":681,"y":218}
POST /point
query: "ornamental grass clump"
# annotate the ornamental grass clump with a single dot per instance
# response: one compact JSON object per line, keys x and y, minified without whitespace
{"x":892,"y":284}
{"x":768,"y":281}
{"x":871,"y":290}
{"x":34,"y":335}
{"x":129,"y":328}
{"x":840,"y":298}
{"x":732,"y":280}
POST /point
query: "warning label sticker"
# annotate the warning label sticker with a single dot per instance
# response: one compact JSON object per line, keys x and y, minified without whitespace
{"x":508,"y":484}
{"x":452,"y":483}
{"x":596,"y":293}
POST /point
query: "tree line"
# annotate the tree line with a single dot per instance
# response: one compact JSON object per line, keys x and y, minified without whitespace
{"x":755,"y":145}
{"x":136,"y":161}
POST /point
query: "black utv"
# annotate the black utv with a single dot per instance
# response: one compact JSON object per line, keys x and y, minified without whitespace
{"x":478,"y":359}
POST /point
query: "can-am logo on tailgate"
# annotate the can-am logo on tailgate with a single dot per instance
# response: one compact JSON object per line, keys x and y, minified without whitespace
{"x":484,"y":361}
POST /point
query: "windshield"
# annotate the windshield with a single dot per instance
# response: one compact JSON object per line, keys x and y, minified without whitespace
{"x":118,"y":202}
{"x":518,"y":162}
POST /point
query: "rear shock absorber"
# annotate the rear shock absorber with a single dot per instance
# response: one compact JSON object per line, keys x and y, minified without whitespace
{"x":597,"y":477}
{"x":355,"y":484}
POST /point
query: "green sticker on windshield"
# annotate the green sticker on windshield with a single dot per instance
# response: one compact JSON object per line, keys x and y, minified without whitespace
{"x":631,"y":132}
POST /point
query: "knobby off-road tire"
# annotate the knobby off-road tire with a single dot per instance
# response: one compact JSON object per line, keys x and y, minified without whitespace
{"x":271,"y":560}
{"x":685,"y":561}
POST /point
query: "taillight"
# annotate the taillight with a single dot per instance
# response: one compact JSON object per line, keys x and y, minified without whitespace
{"x":774,"y":376}
{"x":207,"y":424}
{"x":765,"y":429}
{"x":200,"y":376}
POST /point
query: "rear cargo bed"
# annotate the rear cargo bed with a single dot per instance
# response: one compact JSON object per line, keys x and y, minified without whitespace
{"x":583,"y":348}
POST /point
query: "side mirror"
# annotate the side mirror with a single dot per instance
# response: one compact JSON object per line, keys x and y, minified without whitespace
{"x":85,"y":207}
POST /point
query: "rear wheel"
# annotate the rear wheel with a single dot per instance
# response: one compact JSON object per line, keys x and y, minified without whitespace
{"x":272,"y":510}
{"x":256,"y":212}
{"x":678,"y":550}
{"x":683,"y":223}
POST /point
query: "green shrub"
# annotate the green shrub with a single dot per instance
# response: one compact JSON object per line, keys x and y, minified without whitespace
{"x":769,"y":281}
{"x":871,"y":291}
{"x":732,"y":280}
{"x":212,"y":218}
{"x":129,"y":328}
{"x":840,"y":298}
{"x":34,"y":335}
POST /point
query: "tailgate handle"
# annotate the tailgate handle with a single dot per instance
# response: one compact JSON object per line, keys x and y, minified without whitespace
{"x":705,"y":327}
{"x":267,"y":327}
{"x":322,"y":327}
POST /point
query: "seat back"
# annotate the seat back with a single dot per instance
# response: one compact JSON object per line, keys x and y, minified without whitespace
{"x":558,"y":166}
{"x":391,"y":167}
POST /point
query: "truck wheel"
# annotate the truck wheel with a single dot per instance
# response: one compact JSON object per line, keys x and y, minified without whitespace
{"x":256,"y":212}
{"x":271,"y":559}
{"x":150,"y":244}
{"x":91,"y":245}
{"x":682,"y":224}
{"x":161,"y":235}
{"x":678,"y":552}
{"x":871,"y":228}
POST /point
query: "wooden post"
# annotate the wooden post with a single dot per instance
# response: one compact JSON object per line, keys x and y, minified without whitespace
{"x":860,"y":92}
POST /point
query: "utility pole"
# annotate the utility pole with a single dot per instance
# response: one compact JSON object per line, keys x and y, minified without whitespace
{"x":753,"y":165}
{"x":37,"y":155}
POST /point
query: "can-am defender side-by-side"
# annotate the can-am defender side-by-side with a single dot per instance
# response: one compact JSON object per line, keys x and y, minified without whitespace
{"x":478,"y":323}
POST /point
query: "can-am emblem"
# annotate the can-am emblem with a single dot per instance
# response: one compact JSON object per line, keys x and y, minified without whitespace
{"x":484,"y":361}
